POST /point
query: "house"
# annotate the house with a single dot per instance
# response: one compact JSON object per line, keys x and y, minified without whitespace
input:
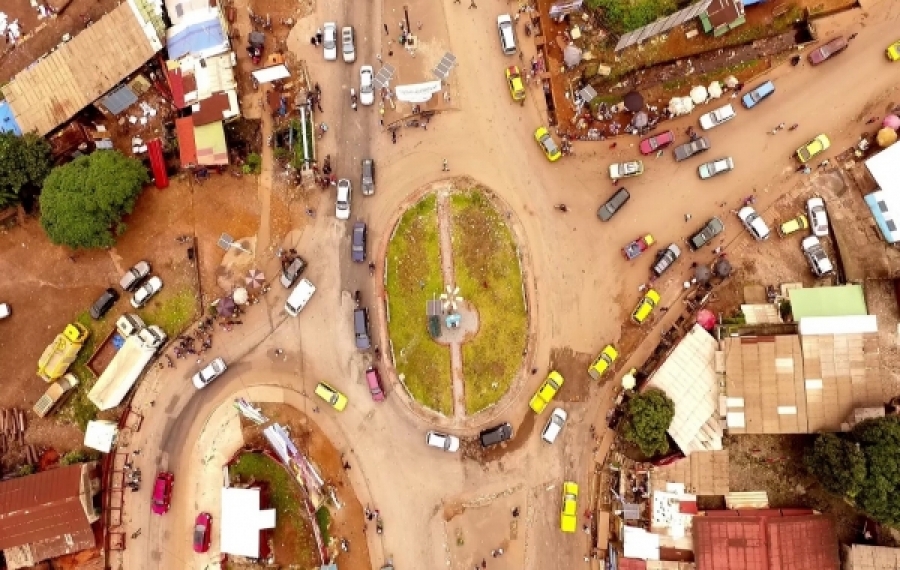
{"x":885,"y":208}
{"x":722,"y":16}
{"x":48,"y":514}
{"x":868,"y":557}
{"x":243,"y":521}
{"x":79,"y":72}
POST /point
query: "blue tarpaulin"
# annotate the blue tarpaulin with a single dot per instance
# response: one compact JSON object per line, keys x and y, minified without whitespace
{"x":196,"y":38}
{"x":8,"y":122}
{"x":752,"y":2}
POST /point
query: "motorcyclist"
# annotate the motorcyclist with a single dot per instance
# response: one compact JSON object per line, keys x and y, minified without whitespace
{"x":353,"y":98}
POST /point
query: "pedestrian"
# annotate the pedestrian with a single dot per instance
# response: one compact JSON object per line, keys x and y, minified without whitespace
{"x":346,"y":466}
{"x":472,"y":4}
{"x":387,"y":32}
{"x":499,"y":552}
{"x":381,"y":115}
{"x":871,"y":120}
{"x":418,"y":25}
{"x":515,"y":511}
{"x":853,"y":35}
{"x":446,"y":167}
{"x":390,"y":53}
{"x":687,"y":217}
{"x":533,"y":372}
{"x":494,"y":553}
{"x":613,"y":145}
{"x":664,"y":309}
{"x":378,"y":57}
{"x":483,"y":563}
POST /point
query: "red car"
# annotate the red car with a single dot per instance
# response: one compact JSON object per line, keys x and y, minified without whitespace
{"x":652,"y":144}
{"x":826,"y":51}
{"x":162,"y":493}
{"x":202,"y":530}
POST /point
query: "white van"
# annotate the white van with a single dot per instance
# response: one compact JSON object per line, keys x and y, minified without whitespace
{"x":299,"y":297}
{"x":507,"y":35}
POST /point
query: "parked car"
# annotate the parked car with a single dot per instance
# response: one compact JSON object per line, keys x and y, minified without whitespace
{"x":754,"y":223}
{"x":449,"y":443}
{"x":717,"y":117}
{"x":209,"y":373}
{"x":373,"y":381}
{"x":758,"y":94}
{"x":546,"y":392}
{"x":292,"y":272}
{"x":893,"y":51}
{"x":568,"y":518}
{"x":818,"y":217}
{"x":645,"y":307}
{"x":146,"y":292}
{"x":507,"y":34}
{"x":329,"y":40}
{"x":816,"y":146}
{"x":102,"y":305}
{"x":299,"y":297}
{"x":706,"y":234}
{"x":665,"y":258}
{"x":816,"y":256}
{"x":358,"y":242}
{"x":368,"y":176}
{"x":348,"y":49}
{"x":5,"y":310}
{"x":366,"y":85}
{"x":334,"y":398}
{"x":626,"y":169}
{"x":715,"y":167}
{"x":342,"y":203}
{"x":689,"y":149}
{"x":613,"y":205}
{"x":656,"y":142}
{"x":514,"y":83}
{"x":162,"y":493}
{"x":828,"y":50}
{"x":547,"y":144}
{"x":134,"y":276}
{"x":361,"y":328}
{"x":793,"y":225}
{"x":202,"y":532}
{"x":494,"y":435}
{"x":554,"y":425}
{"x":603,"y":362}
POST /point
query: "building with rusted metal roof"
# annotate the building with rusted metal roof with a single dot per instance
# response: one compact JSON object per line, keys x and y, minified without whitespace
{"x":48,"y":514}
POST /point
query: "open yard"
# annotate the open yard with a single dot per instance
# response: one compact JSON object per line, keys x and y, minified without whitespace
{"x":486,"y":264}
{"x":413,"y":277}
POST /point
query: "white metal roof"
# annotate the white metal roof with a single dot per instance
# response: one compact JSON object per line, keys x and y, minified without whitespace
{"x":242,"y":520}
{"x":101,"y":435}
{"x":885,"y":168}
{"x":639,"y":543}
{"x":812,"y":326}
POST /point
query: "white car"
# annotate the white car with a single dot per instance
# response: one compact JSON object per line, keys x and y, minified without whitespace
{"x":347,"y":47}
{"x":449,"y":443}
{"x":818,"y":217}
{"x":816,"y":256}
{"x":329,"y":40}
{"x":209,"y":373}
{"x":554,"y":425}
{"x":754,"y":223}
{"x":715,"y":167}
{"x":626,"y":169}
{"x":717,"y":117}
{"x":366,"y":85}
{"x":146,"y":291}
{"x":342,"y":206}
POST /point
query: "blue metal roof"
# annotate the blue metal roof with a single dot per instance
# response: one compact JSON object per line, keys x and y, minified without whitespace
{"x":8,"y":122}
{"x":196,"y":38}
{"x":119,"y":99}
{"x":752,"y":2}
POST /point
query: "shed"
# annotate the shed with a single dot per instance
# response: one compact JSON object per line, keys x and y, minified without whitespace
{"x":101,"y":435}
{"x":841,"y":301}
{"x":722,"y":16}
{"x":242,"y":521}
{"x":187,"y":148}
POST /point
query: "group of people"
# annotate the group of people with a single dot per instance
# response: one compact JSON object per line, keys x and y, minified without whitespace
{"x":186,"y":343}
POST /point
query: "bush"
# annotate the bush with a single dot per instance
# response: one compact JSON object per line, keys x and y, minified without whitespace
{"x":323,"y":519}
{"x":623,"y":16}
{"x":24,"y":470}
{"x":647,"y":419}
{"x":253,"y":164}
{"x":78,"y":456}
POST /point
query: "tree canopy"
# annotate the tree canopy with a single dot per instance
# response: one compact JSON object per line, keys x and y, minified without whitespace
{"x":864,"y":466}
{"x":83,"y":202}
{"x":24,"y":163}
{"x":647,"y":418}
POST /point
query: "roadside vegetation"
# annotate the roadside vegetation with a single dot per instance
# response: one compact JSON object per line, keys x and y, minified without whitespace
{"x":623,"y":16}
{"x":173,"y":313}
{"x":78,"y":408}
{"x":647,"y":418}
{"x":486,"y":265}
{"x":413,"y":277}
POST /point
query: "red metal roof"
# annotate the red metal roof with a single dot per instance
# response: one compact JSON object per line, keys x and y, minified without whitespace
{"x":187,"y":148}
{"x":631,"y":564}
{"x":176,"y":84}
{"x":158,"y":164}
{"x":765,"y":540}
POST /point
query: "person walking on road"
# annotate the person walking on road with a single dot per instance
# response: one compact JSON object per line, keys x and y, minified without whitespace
{"x":446,"y":168}
{"x":387,"y":32}
{"x":472,"y":4}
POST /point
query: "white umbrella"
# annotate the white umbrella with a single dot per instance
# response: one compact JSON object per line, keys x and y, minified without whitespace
{"x":731,"y":81}
{"x":715,"y":89}
{"x":688,"y":104}
{"x":240,"y":296}
{"x":629,"y":381}
{"x":572,"y":55}
{"x":675,"y":106}
{"x":699,"y":94}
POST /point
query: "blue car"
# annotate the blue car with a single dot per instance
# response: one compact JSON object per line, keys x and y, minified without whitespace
{"x":756,"y":95}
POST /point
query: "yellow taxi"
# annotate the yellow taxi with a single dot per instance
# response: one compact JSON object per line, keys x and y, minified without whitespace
{"x":793,"y":225}
{"x":334,"y":398}
{"x":568,"y":517}
{"x":546,"y":392}
{"x":893,"y":51}
{"x":645,"y":307}
{"x":547,"y":144}
{"x":515,"y":83}
{"x":816,"y":146}
{"x":603,"y":362}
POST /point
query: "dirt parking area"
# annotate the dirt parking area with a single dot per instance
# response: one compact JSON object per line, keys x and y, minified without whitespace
{"x":475,"y":528}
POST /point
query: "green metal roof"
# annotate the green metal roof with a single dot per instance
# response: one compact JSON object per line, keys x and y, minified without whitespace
{"x":843,"y":301}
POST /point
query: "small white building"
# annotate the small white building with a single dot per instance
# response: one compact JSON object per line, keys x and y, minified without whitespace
{"x":243,"y":521}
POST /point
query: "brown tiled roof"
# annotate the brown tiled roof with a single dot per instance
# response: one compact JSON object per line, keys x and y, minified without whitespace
{"x":45,"y":511}
{"x":723,"y":12}
{"x":211,"y":109}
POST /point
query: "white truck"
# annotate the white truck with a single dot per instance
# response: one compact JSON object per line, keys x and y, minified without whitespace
{"x":126,"y":367}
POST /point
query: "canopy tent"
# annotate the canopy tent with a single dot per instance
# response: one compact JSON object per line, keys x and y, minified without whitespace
{"x":640,"y":120}
{"x":699,"y":94}
{"x":572,"y":55}
{"x":225,"y":307}
{"x":715,"y":89}
{"x":634,"y":101}
{"x":886,"y":137}
{"x":891,"y":122}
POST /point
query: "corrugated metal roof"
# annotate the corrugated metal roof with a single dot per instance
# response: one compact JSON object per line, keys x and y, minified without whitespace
{"x":701,"y":473}
{"x":212,"y":149}
{"x":842,"y":301}
{"x":197,"y":38}
{"x":187,"y":147}
{"x":176,"y":83}
{"x":119,"y":99}
{"x":53,"y":90}
{"x":867,"y":557}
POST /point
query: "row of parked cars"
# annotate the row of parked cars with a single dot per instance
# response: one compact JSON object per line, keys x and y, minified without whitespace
{"x":137,"y":281}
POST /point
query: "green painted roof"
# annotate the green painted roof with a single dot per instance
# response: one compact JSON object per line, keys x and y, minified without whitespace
{"x":843,"y":301}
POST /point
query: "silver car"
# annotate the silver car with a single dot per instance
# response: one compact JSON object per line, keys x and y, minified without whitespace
{"x":209,"y":373}
{"x":554,"y":425}
{"x":329,"y":40}
{"x":715,"y":167}
{"x":134,"y":276}
{"x":818,"y":217}
{"x":347,"y":47}
{"x":443,"y":441}
{"x":146,"y":292}
{"x":342,"y":204}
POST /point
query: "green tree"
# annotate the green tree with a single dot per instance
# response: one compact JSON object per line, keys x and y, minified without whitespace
{"x":83,"y":202}
{"x":647,"y":418}
{"x":839,"y":464}
{"x":24,"y":163}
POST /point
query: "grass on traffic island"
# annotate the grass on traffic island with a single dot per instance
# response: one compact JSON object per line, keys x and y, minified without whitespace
{"x":413,"y":277}
{"x":293,"y":540}
{"x":486,"y":265}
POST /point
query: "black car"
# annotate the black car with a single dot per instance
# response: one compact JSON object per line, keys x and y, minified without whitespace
{"x":102,"y":305}
{"x":358,"y":243}
{"x":495,"y":435}
{"x":613,"y":205}
{"x":689,"y":149}
{"x":361,"y":328}
{"x":665,"y":258}
{"x":706,"y":234}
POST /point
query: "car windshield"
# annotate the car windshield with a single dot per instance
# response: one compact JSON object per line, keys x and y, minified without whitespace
{"x":366,"y":83}
{"x":199,"y":533}
{"x":329,"y":38}
{"x":548,"y":143}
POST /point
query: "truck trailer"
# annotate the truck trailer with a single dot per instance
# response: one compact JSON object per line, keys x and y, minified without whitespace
{"x":126,"y":367}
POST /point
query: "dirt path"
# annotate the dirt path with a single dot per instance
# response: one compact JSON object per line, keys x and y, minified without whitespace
{"x":445,"y":229}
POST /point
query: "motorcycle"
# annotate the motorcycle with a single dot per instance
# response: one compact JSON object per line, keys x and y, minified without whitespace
{"x":562,"y":207}
{"x":371,"y":269}
{"x":353,"y":99}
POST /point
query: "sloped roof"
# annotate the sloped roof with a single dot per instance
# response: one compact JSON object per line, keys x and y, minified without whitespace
{"x":53,"y":90}
{"x":242,"y":520}
{"x":204,"y":37}
{"x":842,"y":301}
{"x":867,"y":557}
{"x":176,"y":83}
{"x":187,"y":148}
{"x":212,"y":150}
{"x":723,"y":12}
{"x":701,"y":473}
{"x":45,"y":511}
